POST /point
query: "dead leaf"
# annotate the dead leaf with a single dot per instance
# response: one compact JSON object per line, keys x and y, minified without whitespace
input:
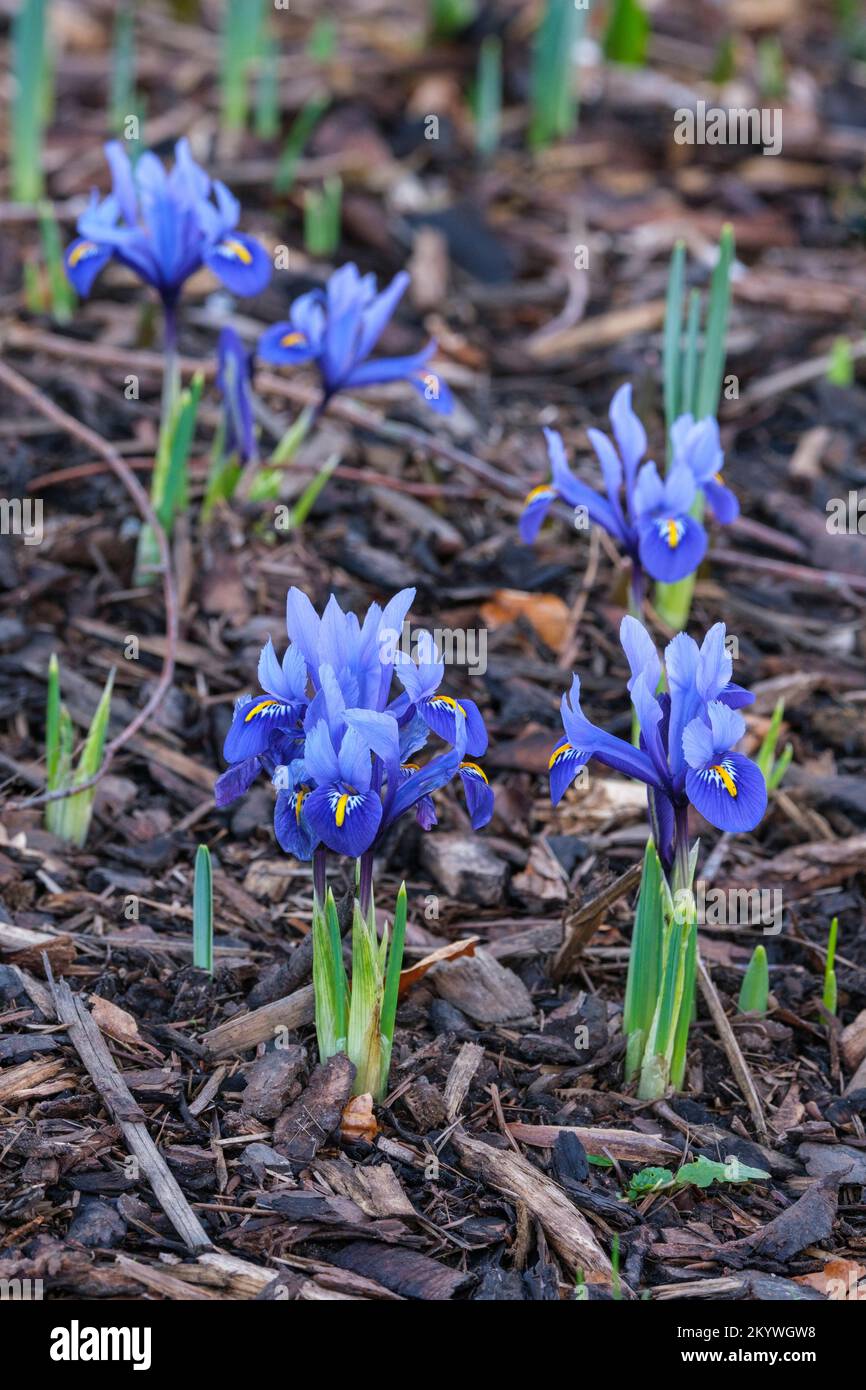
{"x":117,"y":1023}
{"x":452,"y":951}
{"x":839,"y":1279}
{"x":358,"y":1121}
{"x":547,"y":614}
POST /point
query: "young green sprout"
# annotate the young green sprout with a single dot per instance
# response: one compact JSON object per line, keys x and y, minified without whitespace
{"x":323,"y":211}
{"x":554,"y":100}
{"x":202,"y":911}
{"x":694,"y":366}
{"x":488,"y":97}
{"x":755,"y":989}
{"x":830,"y":998}
{"x":31,"y":101}
{"x":627,"y":35}
{"x":772,"y":767}
{"x":69,"y":818}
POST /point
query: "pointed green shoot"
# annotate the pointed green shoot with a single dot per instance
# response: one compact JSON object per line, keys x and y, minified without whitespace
{"x":553,"y":99}
{"x":329,"y":979}
{"x":755,"y":989}
{"x":202,"y":911}
{"x":830,"y":996}
{"x":772,"y":767}
{"x":302,"y":128}
{"x":79,"y":808}
{"x":488,"y":97}
{"x":627,"y":34}
{"x":644,"y":964}
{"x":665,"y":1048}
{"x":31,"y":97}
{"x":323,"y":211}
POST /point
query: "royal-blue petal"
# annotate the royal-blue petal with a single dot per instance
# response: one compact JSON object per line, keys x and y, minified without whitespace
{"x":241,"y":262}
{"x":361,"y":814}
{"x":671,"y":547}
{"x":708,"y":792}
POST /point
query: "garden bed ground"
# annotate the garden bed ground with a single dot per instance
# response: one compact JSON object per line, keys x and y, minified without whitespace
{"x":468,"y":1182}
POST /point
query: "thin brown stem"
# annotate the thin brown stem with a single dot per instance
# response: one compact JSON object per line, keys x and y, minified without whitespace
{"x":97,"y":445}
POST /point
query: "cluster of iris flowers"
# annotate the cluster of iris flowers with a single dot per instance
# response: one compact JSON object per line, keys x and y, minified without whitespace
{"x":341,"y":723}
{"x":340,"y":745}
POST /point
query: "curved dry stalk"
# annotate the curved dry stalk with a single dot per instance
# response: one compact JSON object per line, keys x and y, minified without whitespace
{"x":93,"y":441}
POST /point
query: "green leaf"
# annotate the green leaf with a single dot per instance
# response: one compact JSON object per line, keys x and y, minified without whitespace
{"x":202,"y":911}
{"x":450,"y":17}
{"x":31,"y":98}
{"x":713,"y":363}
{"x":644,"y":964}
{"x":673,"y":333}
{"x":648,"y":1180}
{"x":840,"y":371}
{"x":755,"y":989}
{"x":322,"y":217}
{"x":307,"y":500}
{"x":704,"y":1171}
{"x":628,"y":32}
{"x":78,"y":808}
{"x":488,"y":96}
{"x":831,"y":994}
{"x":302,"y":128}
{"x":553,"y":97}
{"x":329,"y":979}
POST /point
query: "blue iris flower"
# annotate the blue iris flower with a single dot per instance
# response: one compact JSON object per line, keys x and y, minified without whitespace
{"x":234,"y":380}
{"x":648,"y":516}
{"x":687,"y":754}
{"x":340,"y":749}
{"x":164,"y":227}
{"x":337,"y":328}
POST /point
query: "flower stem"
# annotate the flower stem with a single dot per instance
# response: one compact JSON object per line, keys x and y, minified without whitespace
{"x":147,"y":555}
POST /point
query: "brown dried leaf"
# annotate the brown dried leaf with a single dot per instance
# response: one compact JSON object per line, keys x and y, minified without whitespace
{"x":452,"y":951}
{"x":358,"y":1120}
{"x":839,"y":1279}
{"x":117,"y":1023}
{"x":547,"y":614}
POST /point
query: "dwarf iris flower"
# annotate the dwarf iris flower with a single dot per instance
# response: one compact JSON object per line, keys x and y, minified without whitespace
{"x":164,"y":227}
{"x":689,"y":734}
{"x":338,"y":328}
{"x":342,"y":749}
{"x":234,"y":381}
{"x":648,"y":516}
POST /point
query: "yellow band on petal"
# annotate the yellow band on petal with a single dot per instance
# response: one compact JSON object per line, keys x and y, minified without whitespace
{"x":81,"y":252}
{"x":340,"y":812}
{"x":292,"y":340}
{"x":257,"y":709}
{"x":558,"y":753}
{"x":727,"y":779}
{"x":475,"y":769}
{"x":231,"y":247}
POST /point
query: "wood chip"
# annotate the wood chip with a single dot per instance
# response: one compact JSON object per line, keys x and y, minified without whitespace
{"x":630,"y":1146}
{"x":93,"y":1051}
{"x":248,"y":1030}
{"x":464,"y":1067}
{"x":568,"y":1232}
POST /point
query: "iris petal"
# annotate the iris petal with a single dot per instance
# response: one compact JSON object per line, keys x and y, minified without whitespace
{"x":731,"y":794}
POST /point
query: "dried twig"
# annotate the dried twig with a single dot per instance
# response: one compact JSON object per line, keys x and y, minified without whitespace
{"x":93,"y":441}
{"x":729,"y":1042}
{"x":86,"y":1038}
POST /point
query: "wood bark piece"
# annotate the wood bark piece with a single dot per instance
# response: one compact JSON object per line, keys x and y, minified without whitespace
{"x":805,"y":869}
{"x":580,"y":926}
{"x":25,"y":948}
{"x":482,"y":988}
{"x":315,"y":1115}
{"x":858,"y":1080}
{"x":852,"y":1041}
{"x":38,"y":1077}
{"x":629,"y":1146}
{"x":403,"y":1271}
{"x":464,"y":1067}
{"x":514,"y":1176}
{"x":729,"y":1042}
{"x":92,"y":1048}
{"x":376,"y":1189}
{"x":243,"y":1033}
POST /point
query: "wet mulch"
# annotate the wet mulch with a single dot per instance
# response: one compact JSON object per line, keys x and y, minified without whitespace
{"x":165,"y":1134}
